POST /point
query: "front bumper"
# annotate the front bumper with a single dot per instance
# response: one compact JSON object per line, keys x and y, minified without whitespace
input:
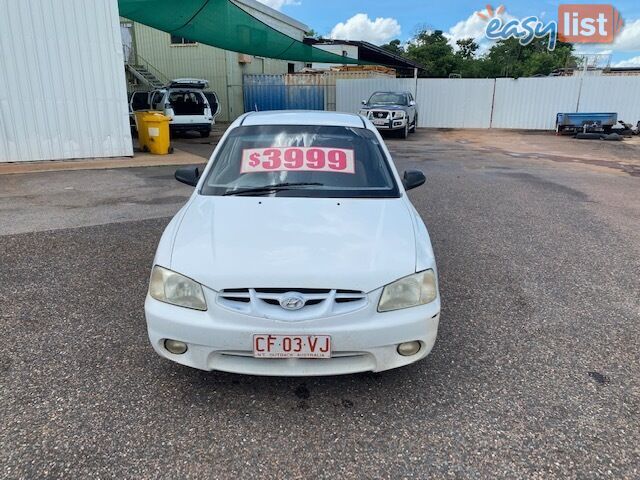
{"x":362,"y":341}
{"x":189,"y":127}
{"x":392,"y":124}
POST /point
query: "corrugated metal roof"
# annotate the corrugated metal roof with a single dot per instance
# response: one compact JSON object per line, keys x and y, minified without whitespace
{"x":261,"y":7}
{"x":370,"y":53}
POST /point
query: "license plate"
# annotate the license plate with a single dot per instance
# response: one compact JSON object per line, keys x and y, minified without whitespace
{"x":380,"y":122}
{"x":291,"y":346}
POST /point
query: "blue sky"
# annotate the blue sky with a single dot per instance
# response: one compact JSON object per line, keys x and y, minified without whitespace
{"x":381,"y":20}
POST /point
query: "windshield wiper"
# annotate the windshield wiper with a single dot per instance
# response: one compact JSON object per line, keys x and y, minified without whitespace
{"x":278,"y":187}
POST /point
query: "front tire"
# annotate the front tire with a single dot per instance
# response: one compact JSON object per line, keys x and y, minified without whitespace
{"x":414,"y":129}
{"x":404,"y":133}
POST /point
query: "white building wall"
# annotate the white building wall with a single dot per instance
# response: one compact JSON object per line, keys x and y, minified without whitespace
{"x":349,"y":51}
{"x":62,"y":82}
{"x":273,"y":18}
{"x":221,"y":68}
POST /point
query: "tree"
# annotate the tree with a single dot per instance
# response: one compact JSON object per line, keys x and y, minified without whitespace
{"x":313,"y":34}
{"x":467,"y":48}
{"x":507,"y":58}
{"x":394,"y":46}
{"x":432,"y":49}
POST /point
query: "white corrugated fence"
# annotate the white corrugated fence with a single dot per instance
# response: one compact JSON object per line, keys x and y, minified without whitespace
{"x":525,"y":103}
{"x":441,"y":102}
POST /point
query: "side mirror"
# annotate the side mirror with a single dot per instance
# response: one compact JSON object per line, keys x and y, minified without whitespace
{"x":364,"y":102}
{"x":412,"y":103}
{"x":188,"y":175}
{"x":413,"y":179}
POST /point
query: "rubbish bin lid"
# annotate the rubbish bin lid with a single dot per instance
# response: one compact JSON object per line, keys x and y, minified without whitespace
{"x":153,"y":116}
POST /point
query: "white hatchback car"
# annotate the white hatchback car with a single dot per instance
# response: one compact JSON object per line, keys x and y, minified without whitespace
{"x":188,"y":106}
{"x":298,"y":254}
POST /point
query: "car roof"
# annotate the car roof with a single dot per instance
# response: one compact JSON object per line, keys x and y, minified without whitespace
{"x":303,"y":117}
{"x":397,"y":92}
{"x":188,"y":83}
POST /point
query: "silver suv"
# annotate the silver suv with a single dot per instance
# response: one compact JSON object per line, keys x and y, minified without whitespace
{"x":392,"y":111}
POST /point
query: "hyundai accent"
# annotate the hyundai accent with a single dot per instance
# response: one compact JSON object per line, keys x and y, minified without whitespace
{"x":298,"y":254}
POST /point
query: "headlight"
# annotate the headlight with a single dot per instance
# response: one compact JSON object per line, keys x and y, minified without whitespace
{"x":399,"y":114}
{"x":171,"y":287}
{"x":412,"y":291}
{"x":364,"y":113}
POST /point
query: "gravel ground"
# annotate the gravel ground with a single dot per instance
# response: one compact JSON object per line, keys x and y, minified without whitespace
{"x":536,"y":372}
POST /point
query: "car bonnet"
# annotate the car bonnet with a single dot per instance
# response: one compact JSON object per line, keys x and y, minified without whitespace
{"x":256,"y":242}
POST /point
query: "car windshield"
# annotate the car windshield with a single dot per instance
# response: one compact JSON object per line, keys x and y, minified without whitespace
{"x":301,"y":161}
{"x":388,"y":99}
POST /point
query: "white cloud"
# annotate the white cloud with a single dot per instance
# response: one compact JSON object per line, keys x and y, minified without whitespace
{"x":473,"y":27}
{"x":630,"y":62}
{"x":361,"y":27}
{"x":278,"y":4}
{"x":629,"y":38}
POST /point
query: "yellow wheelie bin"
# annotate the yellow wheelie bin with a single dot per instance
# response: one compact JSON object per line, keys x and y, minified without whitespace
{"x":153,"y":132}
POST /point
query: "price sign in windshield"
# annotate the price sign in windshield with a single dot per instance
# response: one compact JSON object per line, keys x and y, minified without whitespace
{"x":298,"y":159}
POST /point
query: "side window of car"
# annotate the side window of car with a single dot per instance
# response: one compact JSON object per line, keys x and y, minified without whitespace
{"x":139,"y":101}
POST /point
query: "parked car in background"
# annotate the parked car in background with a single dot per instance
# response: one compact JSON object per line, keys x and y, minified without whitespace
{"x":298,"y":254}
{"x":184,"y":101}
{"x":392,"y":111}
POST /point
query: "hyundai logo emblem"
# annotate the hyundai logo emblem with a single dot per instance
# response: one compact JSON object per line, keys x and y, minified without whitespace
{"x":292,"y":301}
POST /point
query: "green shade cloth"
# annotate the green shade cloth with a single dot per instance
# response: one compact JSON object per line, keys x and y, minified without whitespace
{"x":222,"y":24}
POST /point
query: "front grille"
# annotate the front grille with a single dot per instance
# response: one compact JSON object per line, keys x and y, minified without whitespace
{"x":377,"y":114}
{"x":317,"y":302}
{"x":309,"y":291}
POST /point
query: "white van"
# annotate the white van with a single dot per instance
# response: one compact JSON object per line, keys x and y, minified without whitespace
{"x":185,"y":101}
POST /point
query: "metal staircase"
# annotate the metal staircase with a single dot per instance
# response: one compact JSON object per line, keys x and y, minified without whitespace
{"x":142,"y":73}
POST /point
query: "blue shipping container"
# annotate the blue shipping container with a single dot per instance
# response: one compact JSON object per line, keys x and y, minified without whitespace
{"x":269,"y":92}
